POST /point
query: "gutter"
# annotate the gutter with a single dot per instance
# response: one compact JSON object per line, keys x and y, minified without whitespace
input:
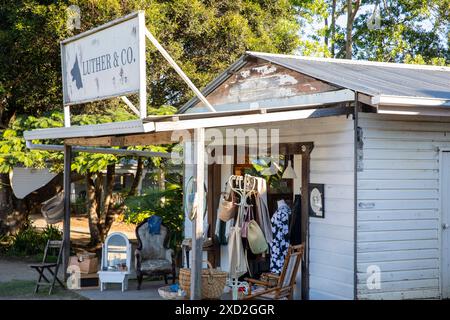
{"x":409,"y":101}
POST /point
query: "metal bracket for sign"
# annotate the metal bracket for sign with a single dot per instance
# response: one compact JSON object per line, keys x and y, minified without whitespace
{"x":142,"y":91}
{"x":131,"y":105}
{"x":180,"y":72}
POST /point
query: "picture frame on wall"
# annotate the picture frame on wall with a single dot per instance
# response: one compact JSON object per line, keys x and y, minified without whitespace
{"x":317,"y":200}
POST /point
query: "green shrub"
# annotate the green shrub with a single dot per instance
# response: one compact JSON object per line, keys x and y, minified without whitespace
{"x":168,"y":204}
{"x":31,"y":241}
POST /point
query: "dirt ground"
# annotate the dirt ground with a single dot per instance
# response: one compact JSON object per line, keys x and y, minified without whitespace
{"x":79,"y":228}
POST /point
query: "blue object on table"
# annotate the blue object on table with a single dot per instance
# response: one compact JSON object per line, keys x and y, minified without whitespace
{"x":174,"y":287}
{"x":154,"y":224}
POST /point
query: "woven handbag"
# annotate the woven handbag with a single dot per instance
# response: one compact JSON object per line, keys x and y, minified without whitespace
{"x":213,"y":282}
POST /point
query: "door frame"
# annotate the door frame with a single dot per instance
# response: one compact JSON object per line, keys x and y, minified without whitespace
{"x":442,"y":150}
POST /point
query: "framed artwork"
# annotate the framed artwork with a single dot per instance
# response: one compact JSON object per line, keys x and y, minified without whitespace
{"x":317,"y":200}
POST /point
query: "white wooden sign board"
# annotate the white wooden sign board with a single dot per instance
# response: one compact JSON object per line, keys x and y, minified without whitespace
{"x":105,"y":62}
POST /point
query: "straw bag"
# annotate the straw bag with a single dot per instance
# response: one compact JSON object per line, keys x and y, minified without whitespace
{"x":213,"y":282}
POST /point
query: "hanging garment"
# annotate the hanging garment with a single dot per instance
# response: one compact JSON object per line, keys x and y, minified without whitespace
{"x":262,"y":210}
{"x":280,"y":243}
{"x":295,"y":235}
{"x":222,"y":231}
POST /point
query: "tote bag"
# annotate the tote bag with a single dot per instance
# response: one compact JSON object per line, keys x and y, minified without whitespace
{"x":238,"y":261}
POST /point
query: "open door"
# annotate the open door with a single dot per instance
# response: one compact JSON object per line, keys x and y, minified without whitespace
{"x":445,"y":225}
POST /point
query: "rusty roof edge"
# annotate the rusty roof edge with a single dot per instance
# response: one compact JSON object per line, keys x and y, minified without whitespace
{"x":221,"y":78}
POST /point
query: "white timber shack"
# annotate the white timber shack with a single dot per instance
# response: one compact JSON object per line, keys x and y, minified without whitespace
{"x":375,"y":135}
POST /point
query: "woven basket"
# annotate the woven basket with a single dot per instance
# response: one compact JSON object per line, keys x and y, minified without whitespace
{"x":213,"y":282}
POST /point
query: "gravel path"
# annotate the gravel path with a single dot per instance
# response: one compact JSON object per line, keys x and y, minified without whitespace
{"x":11,"y":269}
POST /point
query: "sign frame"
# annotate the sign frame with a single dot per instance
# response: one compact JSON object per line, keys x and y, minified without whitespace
{"x":142,"y":91}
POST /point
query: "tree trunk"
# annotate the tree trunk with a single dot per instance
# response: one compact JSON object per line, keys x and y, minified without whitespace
{"x":137,"y":177}
{"x":351,"y":13}
{"x":108,"y":214}
{"x":348,"y":36}
{"x":5,"y":196}
{"x":92,"y":210}
{"x":162,"y":183}
{"x":333,"y":28}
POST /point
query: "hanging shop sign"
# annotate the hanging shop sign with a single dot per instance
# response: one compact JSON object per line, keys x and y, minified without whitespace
{"x":317,"y":200}
{"x":104,"y":62}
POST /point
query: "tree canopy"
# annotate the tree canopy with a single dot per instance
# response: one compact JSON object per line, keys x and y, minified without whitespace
{"x":204,"y":37}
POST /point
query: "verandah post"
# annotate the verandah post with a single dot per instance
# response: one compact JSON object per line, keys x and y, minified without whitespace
{"x":66,"y":224}
{"x":197,"y":228}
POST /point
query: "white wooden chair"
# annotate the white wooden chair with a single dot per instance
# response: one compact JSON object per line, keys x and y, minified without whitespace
{"x":116,"y":261}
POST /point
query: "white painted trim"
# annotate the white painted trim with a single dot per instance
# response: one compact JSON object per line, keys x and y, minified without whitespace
{"x":414,"y":111}
{"x":103,"y":26}
{"x":138,"y":126}
{"x":233,"y":120}
{"x":67,"y":116}
{"x":409,"y":101}
{"x":441,"y":150}
{"x":143,"y":68}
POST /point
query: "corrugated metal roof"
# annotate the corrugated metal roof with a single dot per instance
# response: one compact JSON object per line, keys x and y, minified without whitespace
{"x":372,"y":78}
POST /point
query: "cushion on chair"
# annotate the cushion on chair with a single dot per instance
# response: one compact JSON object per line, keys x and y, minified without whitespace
{"x":152,"y":244}
{"x":156,"y":265}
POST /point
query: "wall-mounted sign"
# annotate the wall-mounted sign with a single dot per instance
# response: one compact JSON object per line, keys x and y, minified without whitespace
{"x":317,"y":200}
{"x":104,"y":62}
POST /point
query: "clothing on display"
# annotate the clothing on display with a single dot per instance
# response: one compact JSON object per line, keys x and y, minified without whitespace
{"x":295,"y":226}
{"x":262,"y":209}
{"x":280,"y":243}
{"x":251,"y":198}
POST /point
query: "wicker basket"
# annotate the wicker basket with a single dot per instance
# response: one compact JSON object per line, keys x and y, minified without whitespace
{"x":213,"y":282}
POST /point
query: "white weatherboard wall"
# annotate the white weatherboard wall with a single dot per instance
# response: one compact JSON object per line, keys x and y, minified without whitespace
{"x":331,"y":238}
{"x":398,"y":206}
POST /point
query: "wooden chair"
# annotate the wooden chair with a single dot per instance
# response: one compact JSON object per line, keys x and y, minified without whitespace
{"x":51,"y":267}
{"x":285,"y":282}
{"x":153,"y":257}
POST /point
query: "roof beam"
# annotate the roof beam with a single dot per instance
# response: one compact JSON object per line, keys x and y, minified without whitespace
{"x":151,"y":138}
{"x":94,"y":130}
{"x":122,"y":152}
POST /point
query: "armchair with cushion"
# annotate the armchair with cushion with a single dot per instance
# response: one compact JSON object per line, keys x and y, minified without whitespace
{"x":152,"y":257}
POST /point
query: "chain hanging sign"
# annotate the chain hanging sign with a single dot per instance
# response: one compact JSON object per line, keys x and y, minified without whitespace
{"x":105,"y":62}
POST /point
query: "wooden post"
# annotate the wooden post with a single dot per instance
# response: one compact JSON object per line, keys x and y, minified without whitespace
{"x":306,"y":158}
{"x":66,"y":225}
{"x":197,"y":227}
